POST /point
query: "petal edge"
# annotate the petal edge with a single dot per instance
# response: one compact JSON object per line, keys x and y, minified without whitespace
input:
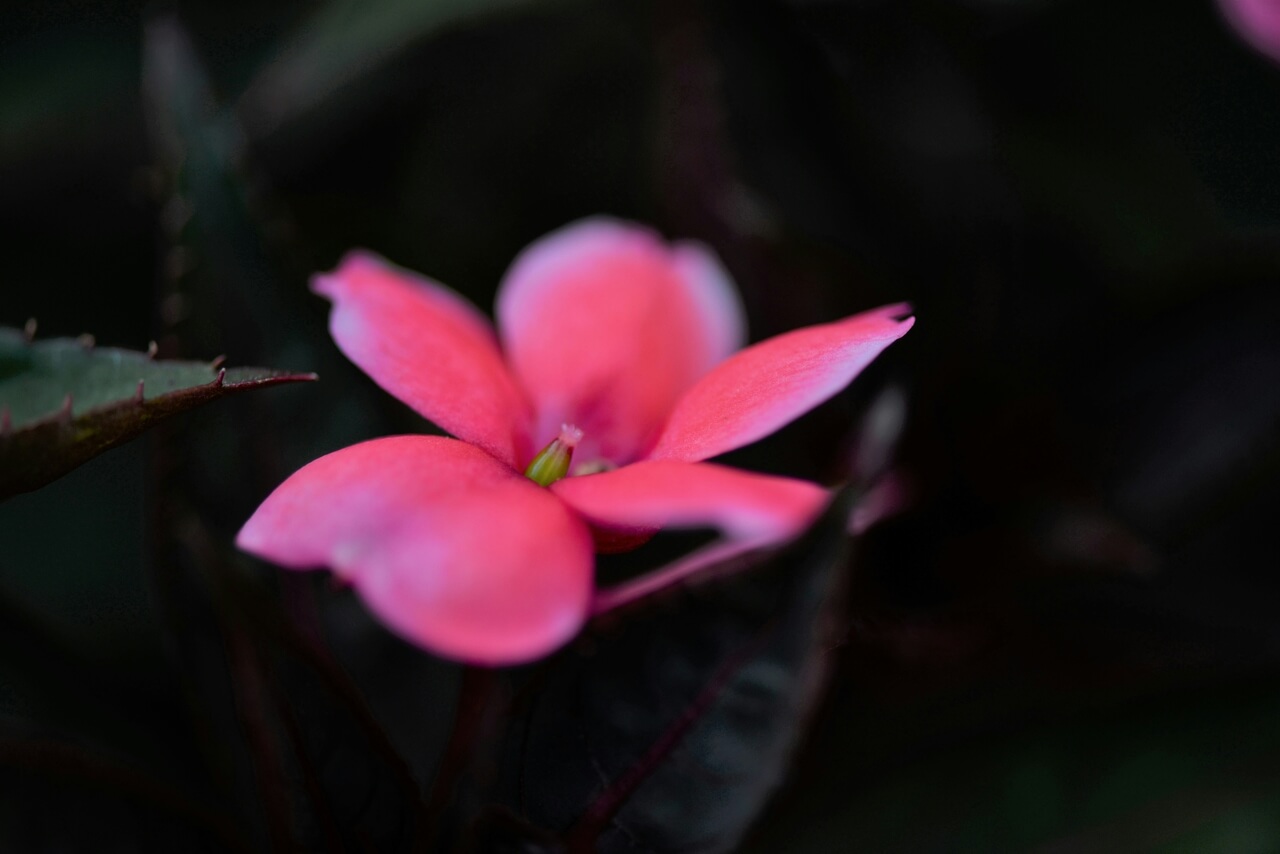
{"x":429,"y":347}
{"x":410,"y":521}
{"x":663,"y":493}
{"x":762,"y":388}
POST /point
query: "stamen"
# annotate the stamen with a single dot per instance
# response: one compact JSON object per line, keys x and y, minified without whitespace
{"x":592,"y":467}
{"x":570,"y":435}
{"x":552,"y":462}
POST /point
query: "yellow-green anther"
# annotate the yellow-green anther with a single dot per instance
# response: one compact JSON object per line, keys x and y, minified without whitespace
{"x":552,"y":462}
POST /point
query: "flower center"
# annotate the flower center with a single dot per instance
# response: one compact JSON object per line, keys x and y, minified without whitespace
{"x":552,"y":462}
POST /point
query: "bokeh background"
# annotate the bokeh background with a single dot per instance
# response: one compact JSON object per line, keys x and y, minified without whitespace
{"x":1067,"y":639}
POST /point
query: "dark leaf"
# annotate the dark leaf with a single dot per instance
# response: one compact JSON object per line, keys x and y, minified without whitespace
{"x":237,"y":277}
{"x":64,"y":401}
{"x":669,"y":730}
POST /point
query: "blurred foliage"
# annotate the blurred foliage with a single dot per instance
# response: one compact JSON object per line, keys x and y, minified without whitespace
{"x":1066,"y":643}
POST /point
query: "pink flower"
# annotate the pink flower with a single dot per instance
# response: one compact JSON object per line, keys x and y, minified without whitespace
{"x":1258,"y":21}
{"x":614,"y":350}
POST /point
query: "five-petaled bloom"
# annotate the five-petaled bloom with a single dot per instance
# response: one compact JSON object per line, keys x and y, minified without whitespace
{"x":581,"y":426}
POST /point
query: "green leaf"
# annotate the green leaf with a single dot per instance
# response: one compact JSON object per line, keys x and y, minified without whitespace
{"x":64,"y":401}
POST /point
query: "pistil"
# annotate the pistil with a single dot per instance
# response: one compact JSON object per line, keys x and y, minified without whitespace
{"x":552,"y":462}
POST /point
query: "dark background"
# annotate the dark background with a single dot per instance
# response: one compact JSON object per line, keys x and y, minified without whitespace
{"x":1067,"y":642}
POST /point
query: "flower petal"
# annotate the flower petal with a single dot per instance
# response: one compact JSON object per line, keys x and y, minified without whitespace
{"x":449,"y":547}
{"x":1258,"y":21}
{"x":765,"y":386}
{"x":655,"y":494}
{"x":717,"y":304}
{"x":430,"y":348}
{"x":606,"y":326}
